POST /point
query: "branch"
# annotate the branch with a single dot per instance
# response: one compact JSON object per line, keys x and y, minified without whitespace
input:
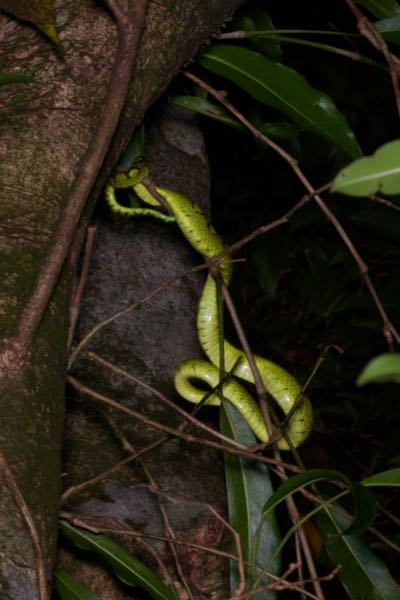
{"x":30,"y":525}
{"x":389,"y":329}
{"x":129,"y":23}
{"x":370,"y":32}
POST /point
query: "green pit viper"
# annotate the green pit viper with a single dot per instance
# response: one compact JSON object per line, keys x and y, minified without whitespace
{"x":280,"y":384}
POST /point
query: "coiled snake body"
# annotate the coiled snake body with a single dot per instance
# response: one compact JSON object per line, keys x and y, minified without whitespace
{"x":282,"y":386}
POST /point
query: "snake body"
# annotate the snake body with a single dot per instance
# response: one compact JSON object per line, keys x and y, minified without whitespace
{"x":282,"y":386}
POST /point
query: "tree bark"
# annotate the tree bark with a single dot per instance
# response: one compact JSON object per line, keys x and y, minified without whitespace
{"x":46,"y":128}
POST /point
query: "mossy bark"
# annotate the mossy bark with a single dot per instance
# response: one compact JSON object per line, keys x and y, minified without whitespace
{"x":45,"y":129}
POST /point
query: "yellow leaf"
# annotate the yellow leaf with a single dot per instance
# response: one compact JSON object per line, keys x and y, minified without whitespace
{"x":38,"y":12}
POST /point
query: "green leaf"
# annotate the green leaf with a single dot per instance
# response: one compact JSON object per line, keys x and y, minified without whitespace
{"x":297,"y":482}
{"x":365,"y":509}
{"x":280,"y":131}
{"x":362,"y":574}
{"x":248,"y":486}
{"x":128,"y":568}
{"x":380,"y":8}
{"x":283,"y":88}
{"x":381,"y":369}
{"x":379,"y":173}
{"x":386,"y":478}
{"x":70,"y":588}
{"x":390,"y":28}
{"x":205,"y":107}
{"x":365,"y":506}
{"x":379,"y":220}
{"x":253,"y":17}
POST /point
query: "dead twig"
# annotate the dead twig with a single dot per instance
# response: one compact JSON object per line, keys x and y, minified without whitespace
{"x":75,"y":489}
{"x":187,"y":416}
{"x":233,"y":447}
{"x":76,"y":301}
{"x":30,"y":524}
{"x":238,"y":545}
{"x":133,"y":455}
{"x":389,"y":330}
{"x":121,"y":313}
{"x":99,"y":525}
{"x":169,"y":533}
{"x":369,"y":31}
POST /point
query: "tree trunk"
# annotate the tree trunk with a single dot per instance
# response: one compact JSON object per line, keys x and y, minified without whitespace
{"x":46,"y":128}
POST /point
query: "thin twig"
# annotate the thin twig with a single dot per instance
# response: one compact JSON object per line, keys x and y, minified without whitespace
{"x":388,"y":328}
{"x":125,"y":443}
{"x":102,"y":361}
{"x":283,"y":220}
{"x":72,"y":490}
{"x":238,"y":544}
{"x":271,"y":33}
{"x":30,"y":525}
{"x":384,"y":201}
{"x":291,"y":505}
{"x":77,"y":299}
{"x":298,"y":586}
{"x":169,"y":532}
{"x":75,"y":489}
{"x":133,"y":455}
{"x":292,"y":509}
{"x":86,"y":522}
{"x":389,"y":514}
{"x":275,"y":35}
{"x":260,"y":387}
{"x":387,"y":541}
{"x":163,"y":569}
{"x":370,"y":32}
{"x":305,"y":546}
{"x":99,"y":525}
{"x":297,"y":546}
{"x":231,"y":448}
{"x":117,"y":315}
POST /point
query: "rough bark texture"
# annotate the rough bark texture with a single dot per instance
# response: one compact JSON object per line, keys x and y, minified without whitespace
{"x":45,"y":130}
